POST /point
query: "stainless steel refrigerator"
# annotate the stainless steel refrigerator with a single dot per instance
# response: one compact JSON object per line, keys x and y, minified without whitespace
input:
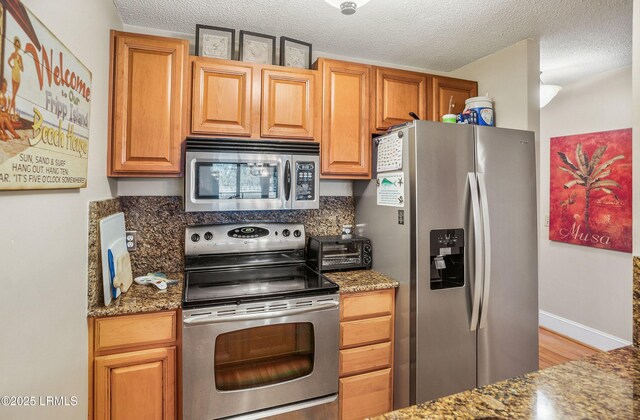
{"x":451,"y":213}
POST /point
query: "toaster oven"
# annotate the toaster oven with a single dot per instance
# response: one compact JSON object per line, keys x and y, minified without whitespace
{"x":331,"y":253}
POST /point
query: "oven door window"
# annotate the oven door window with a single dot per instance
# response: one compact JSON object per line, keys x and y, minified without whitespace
{"x":260,"y":356}
{"x":235,"y":180}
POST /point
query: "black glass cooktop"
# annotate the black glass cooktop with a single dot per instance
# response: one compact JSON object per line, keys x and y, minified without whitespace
{"x":239,"y":285}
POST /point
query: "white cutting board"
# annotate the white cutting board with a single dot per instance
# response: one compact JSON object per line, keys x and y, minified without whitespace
{"x":112,"y":234}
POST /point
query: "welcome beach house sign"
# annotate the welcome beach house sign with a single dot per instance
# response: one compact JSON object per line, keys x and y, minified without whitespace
{"x":45,"y":101}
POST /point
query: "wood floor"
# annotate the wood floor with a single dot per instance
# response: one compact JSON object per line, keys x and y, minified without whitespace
{"x":555,"y":349}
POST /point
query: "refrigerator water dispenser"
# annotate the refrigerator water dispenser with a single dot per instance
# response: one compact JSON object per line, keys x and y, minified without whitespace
{"x":447,"y":258}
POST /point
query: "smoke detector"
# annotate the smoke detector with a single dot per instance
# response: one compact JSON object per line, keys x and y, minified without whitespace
{"x":347,"y":7}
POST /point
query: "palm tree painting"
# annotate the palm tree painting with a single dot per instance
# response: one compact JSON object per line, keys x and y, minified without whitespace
{"x":590,"y":200}
{"x":587,"y":174}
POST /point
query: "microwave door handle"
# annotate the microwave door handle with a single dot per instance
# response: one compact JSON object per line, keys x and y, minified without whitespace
{"x":287,"y":181}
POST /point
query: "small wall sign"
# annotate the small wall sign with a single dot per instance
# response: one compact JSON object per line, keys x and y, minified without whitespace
{"x":590,"y":200}
{"x":390,"y":189}
{"x":45,"y":102}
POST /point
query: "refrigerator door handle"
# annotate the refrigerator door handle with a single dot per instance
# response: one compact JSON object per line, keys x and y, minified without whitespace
{"x":478,"y":250}
{"x":486,"y":250}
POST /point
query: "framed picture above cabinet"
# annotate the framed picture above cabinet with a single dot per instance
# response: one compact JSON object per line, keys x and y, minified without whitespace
{"x":215,"y":42}
{"x":294,"y":53}
{"x":257,"y":48}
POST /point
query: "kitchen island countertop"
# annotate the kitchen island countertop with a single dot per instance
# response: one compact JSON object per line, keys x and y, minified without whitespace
{"x":361,"y":281}
{"x":139,"y":299}
{"x":606,"y":385}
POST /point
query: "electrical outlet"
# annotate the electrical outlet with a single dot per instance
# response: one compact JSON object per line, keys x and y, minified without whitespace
{"x":132,"y":240}
{"x":546,"y":220}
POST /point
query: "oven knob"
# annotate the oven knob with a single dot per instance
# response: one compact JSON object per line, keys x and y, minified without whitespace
{"x":286,"y":233}
{"x":195,"y":237}
{"x":367,"y":248}
{"x":297,"y":233}
{"x":367,"y":260}
{"x":208,"y":236}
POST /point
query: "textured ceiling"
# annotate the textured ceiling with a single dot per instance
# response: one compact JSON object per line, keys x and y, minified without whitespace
{"x":577,"y":37}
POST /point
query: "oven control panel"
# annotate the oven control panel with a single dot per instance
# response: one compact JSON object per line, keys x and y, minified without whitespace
{"x":254,"y":237}
{"x":305,"y":181}
{"x":246,"y":232}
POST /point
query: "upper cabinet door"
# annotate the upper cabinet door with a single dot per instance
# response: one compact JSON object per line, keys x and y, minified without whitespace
{"x":221,"y":98}
{"x":146,"y":106}
{"x":398,"y":93}
{"x":288,"y":104}
{"x":448,"y":91}
{"x":346,"y":142}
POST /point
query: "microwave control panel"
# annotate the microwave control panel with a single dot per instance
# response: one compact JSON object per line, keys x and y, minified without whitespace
{"x":305,"y":181}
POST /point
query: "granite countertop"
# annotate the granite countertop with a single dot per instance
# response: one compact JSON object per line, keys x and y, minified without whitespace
{"x":361,"y":281}
{"x":148,"y":298}
{"x":140,"y":298}
{"x":603,"y":386}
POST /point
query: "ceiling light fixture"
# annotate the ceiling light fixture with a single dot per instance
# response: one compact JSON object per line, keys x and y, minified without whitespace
{"x":347,"y":7}
{"x":547,"y":92}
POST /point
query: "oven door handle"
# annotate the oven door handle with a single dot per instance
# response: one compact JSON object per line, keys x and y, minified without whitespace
{"x":211,"y":318}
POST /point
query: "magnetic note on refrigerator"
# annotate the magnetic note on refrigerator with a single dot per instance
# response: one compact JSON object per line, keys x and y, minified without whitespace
{"x":390,"y":153}
{"x":390,"y":189}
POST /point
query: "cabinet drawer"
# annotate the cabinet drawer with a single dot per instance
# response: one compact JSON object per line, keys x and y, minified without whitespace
{"x":366,"y":395}
{"x":365,"y":331}
{"x":364,"y":359}
{"x":366,"y":305}
{"x":135,"y":330}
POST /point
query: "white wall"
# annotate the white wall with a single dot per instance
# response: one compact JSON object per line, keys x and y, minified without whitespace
{"x":43,"y":242}
{"x":588,"y":286}
{"x":510,"y":76}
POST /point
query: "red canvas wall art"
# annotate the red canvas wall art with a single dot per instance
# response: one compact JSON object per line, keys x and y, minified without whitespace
{"x":590,"y":201}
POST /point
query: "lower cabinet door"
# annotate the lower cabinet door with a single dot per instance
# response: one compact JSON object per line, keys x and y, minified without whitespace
{"x":138,"y":385}
{"x":365,"y":395}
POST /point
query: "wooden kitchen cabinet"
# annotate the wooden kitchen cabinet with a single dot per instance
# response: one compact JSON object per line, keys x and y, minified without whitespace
{"x":366,"y":395}
{"x":222,"y":95}
{"x":398,"y":92}
{"x":147,"y":122}
{"x":233,"y":99}
{"x":345,"y":141}
{"x":289,"y":103}
{"x":136,"y":385}
{"x":289,"y":108}
{"x":134,"y":366}
{"x":446,"y":89}
{"x":366,"y":353}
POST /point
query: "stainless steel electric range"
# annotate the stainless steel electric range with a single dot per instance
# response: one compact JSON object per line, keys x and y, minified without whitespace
{"x":260,"y":328}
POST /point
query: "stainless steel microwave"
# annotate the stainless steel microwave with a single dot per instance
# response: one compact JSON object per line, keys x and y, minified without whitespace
{"x":231,"y":175}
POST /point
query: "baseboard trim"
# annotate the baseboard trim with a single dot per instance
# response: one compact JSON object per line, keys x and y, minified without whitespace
{"x":579,"y":332}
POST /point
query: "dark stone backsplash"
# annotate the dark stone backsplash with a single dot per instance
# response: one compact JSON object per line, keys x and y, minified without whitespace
{"x":97,"y":211}
{"x":160,"y":223}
